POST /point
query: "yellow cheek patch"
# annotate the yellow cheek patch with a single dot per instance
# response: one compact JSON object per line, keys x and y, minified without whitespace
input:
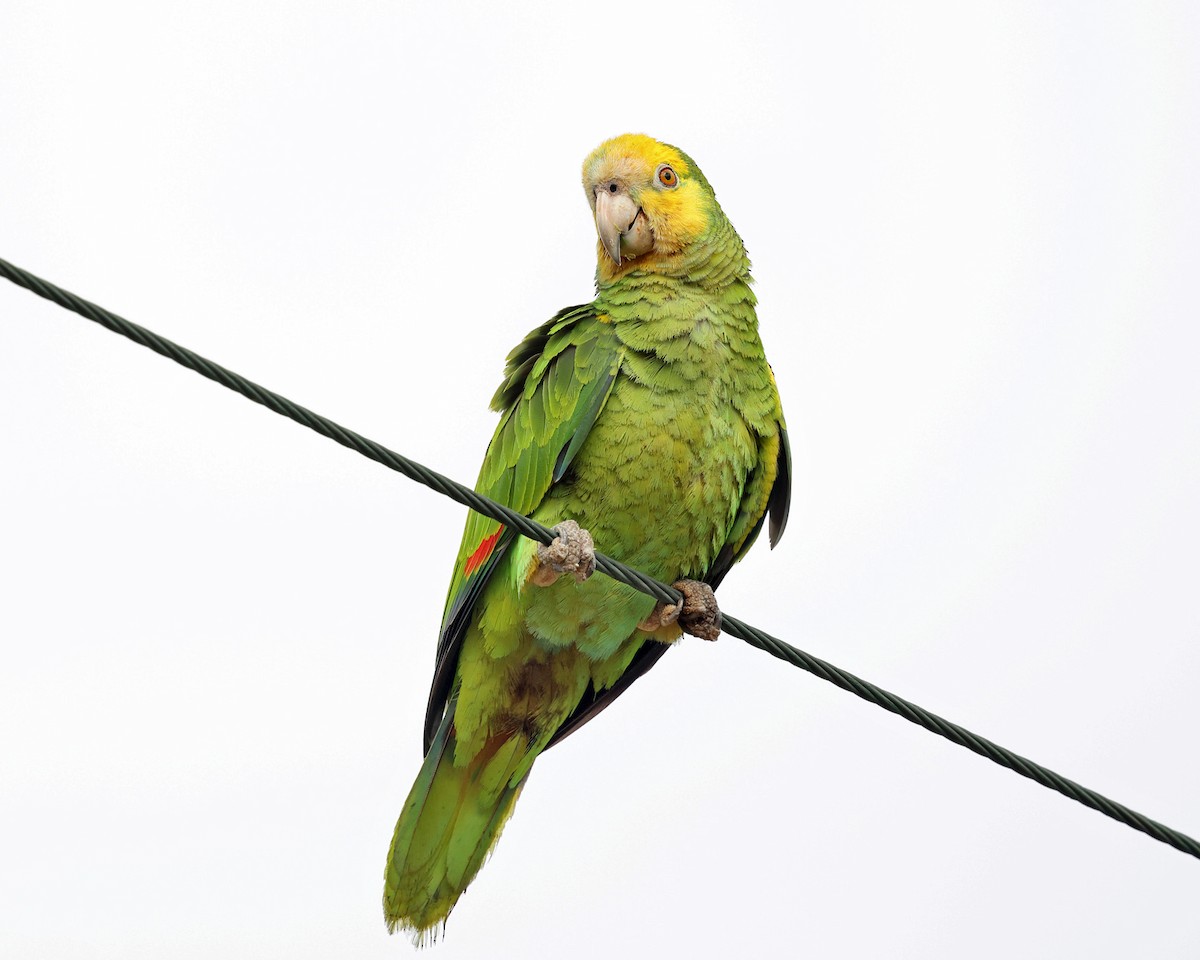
{"x":678,"y":216}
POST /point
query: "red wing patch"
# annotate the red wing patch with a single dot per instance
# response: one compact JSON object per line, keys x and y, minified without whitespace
{"x":482,"y":552}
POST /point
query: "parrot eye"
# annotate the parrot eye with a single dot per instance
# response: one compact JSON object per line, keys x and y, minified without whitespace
{"x":666,"y":176}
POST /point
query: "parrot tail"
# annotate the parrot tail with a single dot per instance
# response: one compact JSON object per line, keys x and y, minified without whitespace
{"x":450,"y":822}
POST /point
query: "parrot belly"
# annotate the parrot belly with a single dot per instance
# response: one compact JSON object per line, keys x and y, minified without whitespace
{"x":657,"y":484}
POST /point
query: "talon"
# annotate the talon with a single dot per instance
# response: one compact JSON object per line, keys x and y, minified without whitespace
{"x":699,"y":615}
{"x":571,"y":551}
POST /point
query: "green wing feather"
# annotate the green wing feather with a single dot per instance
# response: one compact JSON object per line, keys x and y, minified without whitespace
{"x":555,"y":384}
{"x":759,"y":501}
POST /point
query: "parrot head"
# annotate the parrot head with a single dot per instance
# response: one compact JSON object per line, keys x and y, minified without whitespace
{"x":651,"y":203}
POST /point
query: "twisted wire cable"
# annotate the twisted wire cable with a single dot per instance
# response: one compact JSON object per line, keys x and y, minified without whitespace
{"x":613,"y":568}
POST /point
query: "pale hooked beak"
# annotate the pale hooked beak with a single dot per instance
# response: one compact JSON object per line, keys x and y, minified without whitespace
{"x":621,"y":224}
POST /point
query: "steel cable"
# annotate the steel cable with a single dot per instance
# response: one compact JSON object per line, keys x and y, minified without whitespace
{"x":613,"y":568}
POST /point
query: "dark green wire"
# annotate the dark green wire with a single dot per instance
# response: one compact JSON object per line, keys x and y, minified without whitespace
{"x":613,"y":568}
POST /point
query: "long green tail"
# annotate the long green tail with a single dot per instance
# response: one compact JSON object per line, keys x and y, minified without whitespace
{"x":450,"y":821}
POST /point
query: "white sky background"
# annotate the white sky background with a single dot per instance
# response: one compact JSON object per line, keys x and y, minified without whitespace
{"x":975,"y":235}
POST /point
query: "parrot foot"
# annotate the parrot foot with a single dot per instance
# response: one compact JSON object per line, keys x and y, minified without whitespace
{"x":699,"y":615}
{"x":571,"y":551}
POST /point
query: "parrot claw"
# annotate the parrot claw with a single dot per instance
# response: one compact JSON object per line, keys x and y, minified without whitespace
{"x":571,"y":551}
{"x":697,"y":615}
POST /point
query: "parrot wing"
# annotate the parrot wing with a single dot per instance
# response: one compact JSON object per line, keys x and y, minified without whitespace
{"x":555,"y":384}
{"x":753,"y":510}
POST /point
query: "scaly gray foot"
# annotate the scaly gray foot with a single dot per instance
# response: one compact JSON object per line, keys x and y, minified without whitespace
{"x":697,"y":615}
{"x":571,"y":551}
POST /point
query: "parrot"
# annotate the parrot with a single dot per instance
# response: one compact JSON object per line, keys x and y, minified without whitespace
{"x":647,"y":421}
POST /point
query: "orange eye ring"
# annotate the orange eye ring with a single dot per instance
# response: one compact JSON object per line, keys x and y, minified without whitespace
{"x":666,"y":176}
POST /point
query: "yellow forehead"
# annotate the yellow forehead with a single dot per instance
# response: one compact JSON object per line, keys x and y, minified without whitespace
{"x":628,"y":153}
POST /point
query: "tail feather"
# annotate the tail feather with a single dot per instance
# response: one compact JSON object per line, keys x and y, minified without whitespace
{"x":450,"y":822}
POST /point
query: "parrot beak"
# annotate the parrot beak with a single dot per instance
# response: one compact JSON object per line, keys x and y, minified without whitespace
{"x":621,"y":224}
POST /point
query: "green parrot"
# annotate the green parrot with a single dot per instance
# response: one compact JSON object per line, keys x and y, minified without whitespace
{"x":648,"y":420}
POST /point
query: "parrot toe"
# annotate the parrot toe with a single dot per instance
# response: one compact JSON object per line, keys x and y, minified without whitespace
{"x":697,"y":615}
{"x":700,"y":615}
{"x":571,"y":551}
{"x":664,"y":614}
